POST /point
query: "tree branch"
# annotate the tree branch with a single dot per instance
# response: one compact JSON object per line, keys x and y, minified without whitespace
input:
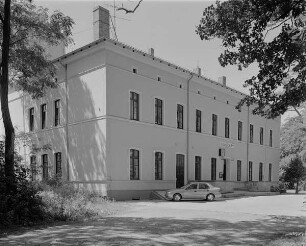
{"x":276,"y":26}
{"x":127,"y":11}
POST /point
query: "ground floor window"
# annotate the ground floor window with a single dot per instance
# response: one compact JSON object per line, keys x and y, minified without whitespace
{"x":134,"y":164}
{"x":238,"y":170}
{"x":270,"y":172}
{"x":260,"y":171}
{"x":44,"y":159}
{"x":250,"y":171}
{"x":58,"y":164}
{"x":197,"y":168}
{"x":213,"y":168}
{"x":158,"y":166}
{"x":33,"y":167}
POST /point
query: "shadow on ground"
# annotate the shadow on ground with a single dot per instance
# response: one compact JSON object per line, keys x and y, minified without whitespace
{"x":159,"y":231}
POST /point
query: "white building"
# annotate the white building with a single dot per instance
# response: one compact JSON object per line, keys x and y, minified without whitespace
{"x":124,"y":122}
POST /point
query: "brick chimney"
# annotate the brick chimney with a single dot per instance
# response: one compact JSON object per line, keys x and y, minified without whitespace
{"x":100,"y":22}
{"x":222,"y":80}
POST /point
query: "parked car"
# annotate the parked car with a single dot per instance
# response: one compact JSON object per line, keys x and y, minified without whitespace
{"x":194,"y":190}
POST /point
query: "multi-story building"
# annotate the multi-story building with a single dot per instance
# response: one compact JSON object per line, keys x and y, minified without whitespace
{"x":124,"y":122}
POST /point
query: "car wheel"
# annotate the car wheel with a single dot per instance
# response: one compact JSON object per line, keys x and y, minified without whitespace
{"x":177,"y":197}
{"x":210,"y":197}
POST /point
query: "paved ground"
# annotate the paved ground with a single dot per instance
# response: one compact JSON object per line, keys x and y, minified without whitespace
{"x":243,"y":221}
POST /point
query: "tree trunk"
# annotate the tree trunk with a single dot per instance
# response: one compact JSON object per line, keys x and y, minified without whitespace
{"x":7,"y":122}
{"x":297,"y":187}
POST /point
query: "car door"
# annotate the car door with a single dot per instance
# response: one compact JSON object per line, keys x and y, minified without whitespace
{"x":203,"y":190}
{"x":191,"y":191}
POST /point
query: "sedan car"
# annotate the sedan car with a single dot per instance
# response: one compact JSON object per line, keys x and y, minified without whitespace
{"x":194,"y":190}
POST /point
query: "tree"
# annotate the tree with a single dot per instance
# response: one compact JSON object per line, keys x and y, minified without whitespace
{"x":271,"y":33}
{"x":26,"y":32}
{"x":294,"y":172}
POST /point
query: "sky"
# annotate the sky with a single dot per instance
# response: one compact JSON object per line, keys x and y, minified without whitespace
{"x":167,"y":26}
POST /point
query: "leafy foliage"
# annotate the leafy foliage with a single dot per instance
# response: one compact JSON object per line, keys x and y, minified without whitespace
{"x":271,"y":33}
{"x":33,"y":31}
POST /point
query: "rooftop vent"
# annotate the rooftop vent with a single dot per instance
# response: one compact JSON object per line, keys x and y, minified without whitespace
{"x":151,"y":52}
{"x":222,"y":80}
{"x":197,"y":71}
{"x":100,"y":22}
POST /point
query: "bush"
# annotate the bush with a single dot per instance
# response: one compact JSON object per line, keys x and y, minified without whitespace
{"x":62,"y":201}
{"x":23,"y":207}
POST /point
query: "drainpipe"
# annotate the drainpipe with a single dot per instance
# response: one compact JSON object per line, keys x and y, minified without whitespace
{"x":187,"y":145}
{"x":67,"y":142}
{"x":248,"y":141}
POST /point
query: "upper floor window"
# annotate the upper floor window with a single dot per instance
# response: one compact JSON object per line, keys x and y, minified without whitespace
{"x":271,"y":138}
{"x":227,"y":127}
{"x":134,"y":106}
{"x":180,"y":116}
{"x":197,"y":168}
{"x":31,"y":119}
{"x":239,"y":130}
{"x":58,"y":164}
{"x":261,"y":135}
{"x":251,"y":133}
{"x":198,"y":120}
{"x":43,"y":114}
{"x":214,"y":125}
{"x":45,"y":171}
{"x":134,"y":164}
{"x":57,"y":112}
{"x":158,"y":111}
{"x":158,"y":166}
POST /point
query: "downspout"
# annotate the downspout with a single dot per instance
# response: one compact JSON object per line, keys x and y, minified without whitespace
{"x":248,"y":141}
{"x":67,"y":142}
{"x":187,"y":145}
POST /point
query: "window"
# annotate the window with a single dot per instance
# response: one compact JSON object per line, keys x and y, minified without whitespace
{"x":203,"y":186}
{"x":261,"y":136}
{"x":192,"y":187}
{"x":250,"y":171}
{"x":43,"y":114}
{"x":57,"y":112}
{"x":251,"y":133}
{"x":270,"y":139}
{"x":134,"y":106}
{"x":227,"y":127}
{"x":214,"y":125}
{"x":238,"y":170}
{"x":31,"y":119}
{"x":180,"y":116}
{"x":158,"y":166}
{"x":158,"y":78}
{"x":239,"y":130}
{"x":134,"y":164}
{"x":44,"y":160}
{"x":158,"y":111}
{"x":198,"y":120}
{"x":270,"y":172}
{"x":213,"y":168}
{"x":33,"y":167}
{"x":58,"y":164}
{"x":260,"y":171}
{"x":134,"y":70}
{"x":197,"y":168}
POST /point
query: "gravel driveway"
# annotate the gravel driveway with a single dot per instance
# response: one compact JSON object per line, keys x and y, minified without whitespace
{"x":242,"y":221}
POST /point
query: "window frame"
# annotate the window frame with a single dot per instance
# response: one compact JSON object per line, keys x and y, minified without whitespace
{"x":43,"y":115}
{"x":180,"y":116}
{"x":158,"y":109}
{"x":227,"y":127}
{"x":213,"y":169}
{"x":240,"y":130}
{"x":250,"y":171}
{"x":251,"y":133}
{"x":57,"y":112}
{"x":270,"y":172}
{"x":134,"y":104}
{"x":261,"y":135}
{"x":31,"y":119}
{"x":132,"y":158}
{"x":58,"y":160}
{"x":214,"y":130}
{"x":45,"y":167}
{"x":33,"y":166}
{"x":260,"y":171}
{"x":197,"y":168}
{"x":158,"y":167}
{"x":271,"y":138}
{"x":198,"y":120}
{"x":238,"y":170}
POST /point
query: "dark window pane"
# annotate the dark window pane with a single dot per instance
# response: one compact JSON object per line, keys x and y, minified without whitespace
{"x":158,"y":111}
{"x":213,"y":168}
{"x":180,"y":116}
{"x":197,"y":169}
{"x":251,"y":133}
{"x":158,"y":166}
{"x":214,"y":125}
{"x":198,"y":120}
{"x":250,"y":171}
{"x":57,"y":120}
{"x":238,"y":170}
{"x":31,"y":119}
{"x":45,"y":166}
{"x":239,"y":130}
{"x":227,"y":127}
{"x":134,"y":106}
{"x":134,"y":164}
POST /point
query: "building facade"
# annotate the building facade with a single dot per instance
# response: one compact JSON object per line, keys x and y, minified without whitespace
{"x":124,"y":122}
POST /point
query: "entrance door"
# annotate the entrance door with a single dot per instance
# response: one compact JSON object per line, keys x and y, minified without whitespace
{"x":224,"y":169}
{"x":179,"y":170}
